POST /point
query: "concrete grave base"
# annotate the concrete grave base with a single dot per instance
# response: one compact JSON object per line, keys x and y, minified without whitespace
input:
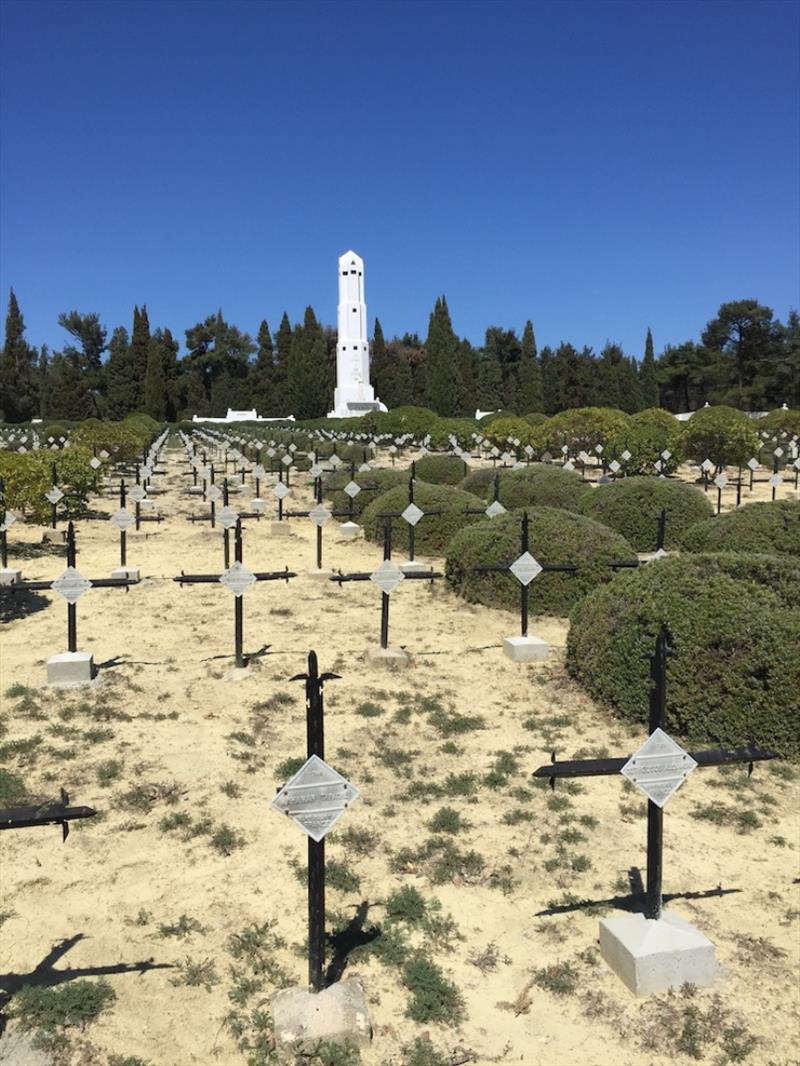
{"x":320,"y":575}
{"x":70,"y":668}
{"x":651,"y":955}
{"x":132,"y":573}
{"x":234,"y":487}
{"x":412,"y":567}
{"x":526,"y":649}
{"x":388,"y":656}
{"x":651,"y":557}
{"x":8,"y":576}
{"x":303,"y":1019}
{"x":349,"y":530}
{"x":146,"y":505}
{"x":279,"y":529}
{"x":196,"y":490}
{"x":238,"y":673}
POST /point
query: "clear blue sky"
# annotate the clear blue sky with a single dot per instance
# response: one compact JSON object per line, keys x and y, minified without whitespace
{"x":596,"y":167}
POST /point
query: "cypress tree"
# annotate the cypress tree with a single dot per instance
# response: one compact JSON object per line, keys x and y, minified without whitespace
{"x":490,"y":384}
{"x":140,"y":346}
{"x":530,"y":378}
{"x":69,"y":395}
{"x":17,"y":368}
{"x":121,"y":391}
{"x":443,"y":373}
{"x":155,"y":398}
{"x":263,"y":385}
{"x":309,"y":378}
{"x":647,"y":374}
{"x":379,"y":368}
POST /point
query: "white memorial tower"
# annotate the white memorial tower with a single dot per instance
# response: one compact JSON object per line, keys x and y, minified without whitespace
{"x":353,"y":394}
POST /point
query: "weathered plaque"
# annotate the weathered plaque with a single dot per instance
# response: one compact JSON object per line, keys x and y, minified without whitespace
{"x":412,"y":514}
{"x":583,"y":456}
{"x":778,"y":452}
{"x":237,"y":579}
{"x":352,"y":489}
{"x":54,"y":495}
{"x":569,"y":465}
{"x":365,"y":468}
{"x":259,"y":471}
{"x":316,"y":798}
{"x":287,"y":460}
{"x":666,"y":454}
{"x":227,"y":517}
{"x":494,"y":509}
{"x":707,"y":465}
{"x":95,"y":463}
{"x":122,"y":519}
{"x":525,"y":569}
{"x":137,"y":493}
{"x":626,"y":455}
{"x":335,"y":461}
{"x":776,"y":481}
{"x":315,"y":470}
{"x":659,"y":767}
{"x":319,"y":515}
{"x":71,"y":585}
{"x":753,"y":464}
{"x":721,"y":481}
{"x":103,"y":453}
{"x":8,"y":521}
{"x":614,"y":466}
{"x":146,"y":472}
{"x":387,"y":577}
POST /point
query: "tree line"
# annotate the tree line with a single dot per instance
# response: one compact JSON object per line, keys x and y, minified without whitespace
{"x":745,"y":358}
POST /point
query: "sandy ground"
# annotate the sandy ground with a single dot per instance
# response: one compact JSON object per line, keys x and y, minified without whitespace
{"x":169,"y":723}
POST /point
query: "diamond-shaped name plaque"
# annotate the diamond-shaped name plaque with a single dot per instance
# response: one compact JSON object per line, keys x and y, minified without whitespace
{"x":280,"y":491}
{"x":659,"y":767}
{"x":721,"y":481}
{"x":626,"y":455}
{"x":8,"y":521}
{"x":71,"y":585}
{"x":54,"y":495}
{"x":315,"y":798}
{"x":494,"y":509}
{"x":122,"y":519}
{"x":706,"y":465}
{"x":525,"y":569}
{"x":137,"y":493}
{"x":227,"y":517}
{"x":319,"y":515}
{"x":387,"y":577}
{"x":352,"y":489}
{"x":335,"y":461}
{"x":237,"y":579}
{"x":614,"y":466}
{"x":753,"y":464}
{"x":412,"y":514}
{"x":776,"y":481}
{"x":95,"y":463}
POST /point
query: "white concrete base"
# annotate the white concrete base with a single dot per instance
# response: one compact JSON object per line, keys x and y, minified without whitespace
{"x":279,"y":529}
{"x":651,"y":956}
{"x":238,"y":673}
{"x":132,"y":573}
{"x":9,"y":576}
{"x":70,"y":668}
{"x":303,"y":1019}
{"x":526,"y":649}
{"x":195,"y":490}
{"x":388,"y":656}
{"x":349,"y":530}
{"x":146,"y":505}
{"x":412,"y":567}
{"x":234,"y":487}
{"x":320,"y":575}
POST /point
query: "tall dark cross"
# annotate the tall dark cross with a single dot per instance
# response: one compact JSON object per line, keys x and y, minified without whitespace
{"x":387,"y":577}
{"x":50,"y":812}
{"x":352,"y":488}
{"x":658,"y":768}
{"x":139,"y":493}
{"x":494,"y":508}
{"x":525,"y":568}
{"x":237,"y":579}
{"x":412,"y":513}
{"x":660,"y":552}
{"x":54,"y":496}
{"x":71,"y":584}
{"x":212,"y":492}
{"x":227,"y":519}
{"x":280,"y":490}
{"x":319,"y":515}
{"x":123,"y":520}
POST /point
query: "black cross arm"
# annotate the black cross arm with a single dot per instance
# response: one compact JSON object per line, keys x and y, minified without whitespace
{"x":44,"y":586}
{"x":419,"y":575}
{"x":52,"y":812}
{"x":274,"y":575}
{"x":601,"y":767}
{"x":567,"y":568}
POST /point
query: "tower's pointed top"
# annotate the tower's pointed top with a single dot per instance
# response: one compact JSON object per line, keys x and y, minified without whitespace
{"x":351,"y":261}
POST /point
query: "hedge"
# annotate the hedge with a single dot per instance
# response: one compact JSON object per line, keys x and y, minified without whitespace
{"x":756,"y":527}
{"x":780,"y":574}
{"x":28,"y":477}
{"x":498,"y":431}
{"x":555,"y":536}
{"x":384,"y":479}
{"x":781,"y":421}
{"x":580,"y":428}
{"x":632,"y":507}
{"x":648,"y":434}
{"x":434,"y":532}
{"x":441,"y":469}
{"x":722,"y":434}
{"x":535,"y":486}
{"x":734,"y":671}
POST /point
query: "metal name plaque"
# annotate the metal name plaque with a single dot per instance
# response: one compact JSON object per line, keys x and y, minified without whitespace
{"x":659,"y":767}
{"x":315,"y":798}
{"x":71,"y":584}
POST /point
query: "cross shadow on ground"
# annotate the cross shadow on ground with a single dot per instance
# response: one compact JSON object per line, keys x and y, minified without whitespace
{"x":344,"y":941}
{"x":20,"y":604}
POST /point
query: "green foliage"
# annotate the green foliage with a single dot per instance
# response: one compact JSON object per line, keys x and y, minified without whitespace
{"x":533,"y":486}
{"x":647,"y":435}
{"x":580,"y":428}
{"x":28,"y":477}
{"x":555,"y":537}
{"x":500,"y":428}
{"x":722,"y":434}
{"x":780,"y":574}
{"x":414,"y":420}
{"x":433,"y":997}
{"x":383,"y":479}
{"x":440,"y":469}
{"x":48,"y":1010}
{"x":432,"y":532}
{"x":12,"y":788}
{"x":443,"y":429}
{"x":781,"y":421}
{"x":772,"y":527}
{"x":734,"y":672}
{"x":632,"y":507}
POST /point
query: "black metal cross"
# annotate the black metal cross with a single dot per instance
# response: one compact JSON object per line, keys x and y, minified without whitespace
{"x":51,"y":812}
{"x":667,"y":766}
{"x":212,"y":513}
{"x":237,"y":578}
{"x":72,"y":613}
{"x":525,"y":570}
{"x":393,"y":578}
{"x":661,"y":532}
{"x":412,"y":514}
{"x":320,"y":514}
{"x":494,"y":507}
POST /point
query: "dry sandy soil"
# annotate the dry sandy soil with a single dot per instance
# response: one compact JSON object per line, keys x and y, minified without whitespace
{"x":171,"y":745}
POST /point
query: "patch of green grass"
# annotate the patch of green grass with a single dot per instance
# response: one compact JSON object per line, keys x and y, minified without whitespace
{"x":463,"y":784}
{"x":289,"y":767}
{"x":126,"y":1060}
{"x":360,"y":841}
{"x":517,"y":815}
{"x":718,"y":814}
{"x":197,"y":973}
{"x":369,"y":710}
{"x":145,"y":795}
{"x":225,"y":840}
{"x":231,"y":790}
{"x":433,"y":997}
{"x":446,"y":820}
{"x":24,"y":750}
{"x":395,"y":758}
{"x":560,"y":978}
{"x":108,"y":772}
{"x":449,"y":723}
{"x":12,"y":788}
{"x":406,"y":904}
{"x":423,"y":1053}
{"x":98,"y":736}
{"x":49,"y":1011}
{"x":184,"y":927}
{"x":17,"y":691}
{"x":441,"y":859}
{"x":450,"y":748}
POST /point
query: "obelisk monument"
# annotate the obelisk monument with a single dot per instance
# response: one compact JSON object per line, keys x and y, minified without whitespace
{"x":353,"y":394}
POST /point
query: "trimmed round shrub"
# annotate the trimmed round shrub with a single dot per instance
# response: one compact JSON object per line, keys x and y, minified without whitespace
{"x":535,"y":486}
{"x":756,"y":527}
{"x":781,"y":421}
{"x":409,"y":419}
{"x":580,"y":428}
{"x":780,"y":574}
{"x":383,"y":479}
{"x":440,"y":469}
{"x":722,"y":434}
{"x":733,"y":672}
{"x":28,"y":477}
{"x":632,"y":507}
{"x":433,"y":532}
{"x":535,"y":418}
{"x":444,"y":429}
{"x":500,"y":431}
{"x":555,"y":536}
{"x":648,"y":434}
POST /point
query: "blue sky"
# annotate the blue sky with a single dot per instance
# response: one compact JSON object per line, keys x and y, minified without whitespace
{"x":596,"y":167}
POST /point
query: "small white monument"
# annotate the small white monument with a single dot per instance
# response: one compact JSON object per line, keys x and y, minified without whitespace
{"x":353,"y":394}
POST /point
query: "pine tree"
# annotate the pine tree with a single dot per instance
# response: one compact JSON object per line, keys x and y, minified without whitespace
{"x":155,"y":392}
{"x":443,"y":373}
{"x":281,"y":402}
{"x":263,"y":373}
{"x":490,"y":385}
{"x":169,"y":361}
{"x":647,"y":374}
{"x":380,"y":367}
{"x":309,"y":377}
{"x":530,"y":378}
{"x":69,"y":394}
{"x":140,"y":346}
{"x":122,"y":395}
{"x":17,"y":369}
